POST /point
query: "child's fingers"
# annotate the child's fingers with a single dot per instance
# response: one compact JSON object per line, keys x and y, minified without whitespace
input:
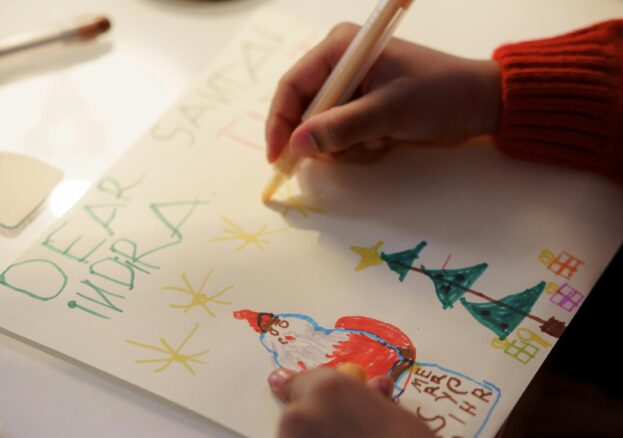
{"x":317,"y":383}
{"x":289,"y":386}
{"x":382,"y":384}
{"x":374,"y":115}
{"x":299,"y":85}
{"x":294,"y":92}
{"x":307,"y":384}
{"x":361,"y":153}
{"x":277,"y":381}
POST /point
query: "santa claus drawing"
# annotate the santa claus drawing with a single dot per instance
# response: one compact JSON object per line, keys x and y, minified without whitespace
{"x":297,"y":342}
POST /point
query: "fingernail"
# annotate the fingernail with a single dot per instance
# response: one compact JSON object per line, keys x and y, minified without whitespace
{"x":386,"y":386}
{"x":271,"y":155}
{"x":304,"y":144}
{"x":383,"y":384}
{"x":277,"y":378}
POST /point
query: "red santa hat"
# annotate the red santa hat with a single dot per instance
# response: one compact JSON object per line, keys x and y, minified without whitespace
{"x":257,"y":320}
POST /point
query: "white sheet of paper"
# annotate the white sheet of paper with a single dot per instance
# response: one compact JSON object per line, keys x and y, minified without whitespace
{"x":142,"y":278}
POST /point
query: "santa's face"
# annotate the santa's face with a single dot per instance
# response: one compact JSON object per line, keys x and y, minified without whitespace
{"x":283,"y":330}
{"x":297,"y":343}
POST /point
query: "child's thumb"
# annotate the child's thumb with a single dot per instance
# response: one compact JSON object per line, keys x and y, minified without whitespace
{"x":370,"y":117}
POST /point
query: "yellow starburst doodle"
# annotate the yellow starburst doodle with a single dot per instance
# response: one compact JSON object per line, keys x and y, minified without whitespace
{"x":369,"y":256}
{"x":172,"y":354}
{"x":236,"y":232}
{"x":299,"y":203}
{"x":197,"y":297}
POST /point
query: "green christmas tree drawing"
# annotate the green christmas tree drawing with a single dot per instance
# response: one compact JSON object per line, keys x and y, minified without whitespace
{"x":400,"y":262}
{"x":503,"y":316}
{"x":452,"y":284}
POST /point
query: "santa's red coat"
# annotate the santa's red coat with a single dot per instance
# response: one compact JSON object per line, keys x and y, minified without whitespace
{"x":376,"y":356}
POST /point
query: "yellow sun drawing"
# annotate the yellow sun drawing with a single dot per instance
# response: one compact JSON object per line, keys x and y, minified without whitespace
{"x":172,"y":355}
{"x":197,"y":297}
{"x":369,"y":256}
{"x":235,"y":232}
{"x":299,"y":203}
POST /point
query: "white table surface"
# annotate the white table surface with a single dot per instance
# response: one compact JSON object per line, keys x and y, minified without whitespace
{"x":80,"y":108}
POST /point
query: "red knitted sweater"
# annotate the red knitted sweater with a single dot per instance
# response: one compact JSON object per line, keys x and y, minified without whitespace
{"x":563,"y":99}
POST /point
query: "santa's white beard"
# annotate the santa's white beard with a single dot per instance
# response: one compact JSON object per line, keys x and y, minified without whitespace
{"x":309,"y":349}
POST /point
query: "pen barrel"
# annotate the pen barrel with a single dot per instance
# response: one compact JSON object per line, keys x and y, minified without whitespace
{"x":375,"y":52}
{"x":361,"y":54}
{"x":354,"y":64}
{"x":288,"y":162}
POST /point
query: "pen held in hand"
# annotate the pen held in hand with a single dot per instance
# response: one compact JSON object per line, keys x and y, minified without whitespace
{"x":345,"y":77}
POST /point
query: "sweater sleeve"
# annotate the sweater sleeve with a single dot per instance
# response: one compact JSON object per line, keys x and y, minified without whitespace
{"x":563,"y":99}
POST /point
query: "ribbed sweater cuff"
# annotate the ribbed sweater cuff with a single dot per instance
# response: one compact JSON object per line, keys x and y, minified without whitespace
{"x":563,"y":99}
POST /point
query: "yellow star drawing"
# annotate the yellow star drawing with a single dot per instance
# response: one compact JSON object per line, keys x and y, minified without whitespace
{"x":197,"y":297}
{"x":369,"y":256}
{"x":174,"y":355}
{"x":299,"y":203}
{"x":237,"y":233}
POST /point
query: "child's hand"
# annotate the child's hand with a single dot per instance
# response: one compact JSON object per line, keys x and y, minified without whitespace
{"x":412,"y":94}
{"x":325,"y":403}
